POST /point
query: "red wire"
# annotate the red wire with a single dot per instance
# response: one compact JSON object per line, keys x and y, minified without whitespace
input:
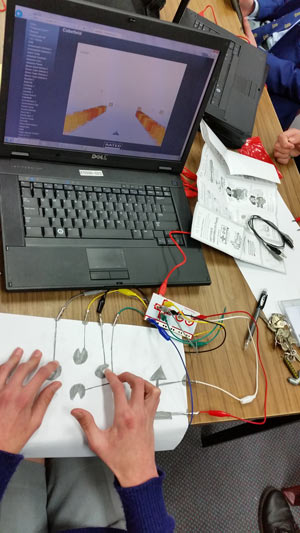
{"x":223,"y":413}
{"x":4,"y":7}
{"x":213,"y":12}
{"x":244,"y":37}
{"x":163,"y":287}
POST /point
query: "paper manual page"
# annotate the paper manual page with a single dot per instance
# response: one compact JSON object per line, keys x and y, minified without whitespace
{"x":231,"y":188}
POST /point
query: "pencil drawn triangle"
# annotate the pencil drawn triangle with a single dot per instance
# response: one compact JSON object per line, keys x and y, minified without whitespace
{"x":158,"y":374}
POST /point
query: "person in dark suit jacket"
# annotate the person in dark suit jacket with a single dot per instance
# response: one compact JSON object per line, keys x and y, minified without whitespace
{"x":282,"y":42}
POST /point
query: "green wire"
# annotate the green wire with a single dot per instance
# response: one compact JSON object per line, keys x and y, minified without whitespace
{"x":132,"y":309}
{"x":195,"y":343}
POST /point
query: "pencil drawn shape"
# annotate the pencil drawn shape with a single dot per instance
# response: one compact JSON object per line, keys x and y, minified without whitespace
{"x":79,"y":389}
{"x":99,"y":372}
{"x":80,"y":356}
{"x":158,"y":375}
{"x":163,"y":415}
{"x":55,"y":374}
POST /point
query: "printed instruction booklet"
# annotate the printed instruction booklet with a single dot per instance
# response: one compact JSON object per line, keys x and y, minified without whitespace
{"x":231,"y":188}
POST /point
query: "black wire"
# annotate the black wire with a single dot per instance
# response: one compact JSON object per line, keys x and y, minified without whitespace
{"x":274,"y":249}
{"x":216,"y":347}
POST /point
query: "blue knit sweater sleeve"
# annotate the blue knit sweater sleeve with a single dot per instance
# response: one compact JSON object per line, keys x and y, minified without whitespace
{"x":144,"y":507}
{"x":8,"y":465}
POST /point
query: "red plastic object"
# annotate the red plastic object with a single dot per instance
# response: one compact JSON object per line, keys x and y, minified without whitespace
{"x":253,"y":147}
{"x":292,"y":494}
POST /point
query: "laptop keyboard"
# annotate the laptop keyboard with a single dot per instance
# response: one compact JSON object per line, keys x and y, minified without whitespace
{"x":61,"y":211}
{"x":232,"y":52}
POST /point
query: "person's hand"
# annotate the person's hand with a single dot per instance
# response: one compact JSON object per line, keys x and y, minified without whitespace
{"x":22,"y":407}
{"x":287,"y":146}
{"x":127,"y":447}
{"x":248,"y":32}
{"x":247,"y":7}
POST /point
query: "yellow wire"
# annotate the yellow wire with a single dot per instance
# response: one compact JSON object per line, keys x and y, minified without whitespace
{"x":171,"y":304}
{"x":126,"y":292}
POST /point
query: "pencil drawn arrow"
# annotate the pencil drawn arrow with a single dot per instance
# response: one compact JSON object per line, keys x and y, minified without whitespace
{"x":158,"y":375}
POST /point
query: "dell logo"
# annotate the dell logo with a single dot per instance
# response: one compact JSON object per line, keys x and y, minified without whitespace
{"x":99,"y":156}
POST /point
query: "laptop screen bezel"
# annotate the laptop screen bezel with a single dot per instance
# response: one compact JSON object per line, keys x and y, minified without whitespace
{"x":112,"y":17}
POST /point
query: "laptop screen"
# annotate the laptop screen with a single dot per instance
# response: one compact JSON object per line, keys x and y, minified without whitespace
{"x":89,"y":87}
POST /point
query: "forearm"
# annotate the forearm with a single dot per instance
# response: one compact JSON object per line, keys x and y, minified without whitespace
{"x":283,"y":78}
{"x":144,"y":507}
{"x":267,"y":8}
{"x":8,"y":466}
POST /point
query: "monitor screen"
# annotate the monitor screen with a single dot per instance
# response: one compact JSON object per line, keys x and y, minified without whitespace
{"x":84,"y":86}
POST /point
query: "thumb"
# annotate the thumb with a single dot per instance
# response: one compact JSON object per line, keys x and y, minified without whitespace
{"x":89,"y":427}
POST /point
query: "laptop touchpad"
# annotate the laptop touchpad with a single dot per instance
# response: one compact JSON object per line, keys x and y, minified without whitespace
{"x":106,"y":258}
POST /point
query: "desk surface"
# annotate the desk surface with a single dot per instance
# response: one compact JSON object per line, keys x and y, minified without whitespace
{"x":228,"y":367}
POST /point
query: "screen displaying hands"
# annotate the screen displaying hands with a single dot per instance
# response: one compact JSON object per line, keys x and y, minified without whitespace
{"x":287,"y":146}
{"x":127,"y":447}
{"x":22,"y":406}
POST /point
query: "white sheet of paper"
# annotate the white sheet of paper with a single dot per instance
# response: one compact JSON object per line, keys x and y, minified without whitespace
{"x":280,"y":286}
{"x":239,"y":164}
{"x":140,"y":350}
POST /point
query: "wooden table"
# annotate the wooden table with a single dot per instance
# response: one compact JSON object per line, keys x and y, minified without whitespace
{"x":229,"y":367}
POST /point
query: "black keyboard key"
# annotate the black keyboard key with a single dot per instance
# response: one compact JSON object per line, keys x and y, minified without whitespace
{"x":166,"y":225}
{"x":48,"y":193}
{"x":105,"y":234}
{"x":37,"y":222}
{"x":88,"y":204}
{"x":148,"y":234}
{"x":37,"y":185}
{"x":67,"y":223}
{"x":73,"y":233}
{"x":88,"y":188}
{"x":139,"y":225}
{"x":89,"y":224}
{"x":71,"y":213}
{"x":60,"y":233}
{"x":106,"y":189}
{"x":33,"y":232}
{"x":48,"y":233}
{"x":110,"y":224}
{"x":48,"y":185}
{"x":166,"y":217}
{"x":78,"y":188}
{"x":99,"y":224}
{"x":120,"y":224}
{"x":48,"y":212}
{"x":137,"y":234}
{"x":55,"y":222}
{"x":67,"y":204}
{"x":78,"y":223}
{"x":60,"y":213}
{"x":129,"y":224}
{"x":69,"y":187}
{"x":30,"y":202}
{"x":61,"y":195}
{"x":71,"y":195}
{"x":58,"y":186}
{"x":56,"y":203}
{"x":26,"y":192}
{"x":81,"y":213}
{"x":161,"y":241}
{"x":25,"y":183}
{"x":163,"y":200}
{"x":31,"y":212}
{"x":92,"y":214}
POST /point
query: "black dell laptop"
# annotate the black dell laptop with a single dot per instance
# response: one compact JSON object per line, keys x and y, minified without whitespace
{"x":98,"y":112}
{"x":232,"y":107}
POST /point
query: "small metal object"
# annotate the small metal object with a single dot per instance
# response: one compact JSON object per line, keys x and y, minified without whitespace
{"x":295,"y":380}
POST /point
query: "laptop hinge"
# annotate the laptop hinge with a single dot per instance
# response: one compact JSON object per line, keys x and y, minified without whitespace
{"x":165,"y":169}
{"x":19,"y":154}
